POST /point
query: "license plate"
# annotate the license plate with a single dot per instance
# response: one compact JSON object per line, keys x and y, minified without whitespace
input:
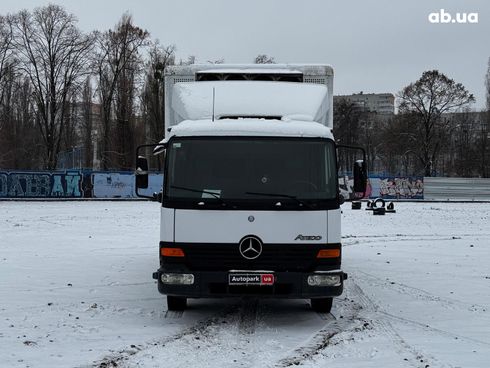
{"x":251,"y":279}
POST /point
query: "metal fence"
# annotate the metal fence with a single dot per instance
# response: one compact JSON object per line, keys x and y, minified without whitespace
{"x":456,"y":189}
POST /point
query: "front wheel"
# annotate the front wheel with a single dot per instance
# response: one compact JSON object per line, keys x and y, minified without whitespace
{"x":322,"y":305}
{"x":176,"y":303}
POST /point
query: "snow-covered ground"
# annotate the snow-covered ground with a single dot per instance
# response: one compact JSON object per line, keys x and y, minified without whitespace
{"x":76,"y":291}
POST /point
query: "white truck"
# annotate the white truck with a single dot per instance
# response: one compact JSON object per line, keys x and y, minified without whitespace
{"x":250,"y":202}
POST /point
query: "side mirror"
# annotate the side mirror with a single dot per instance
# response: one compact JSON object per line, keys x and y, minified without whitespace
{"x":141,"y":173}
{"x":360,"y":176}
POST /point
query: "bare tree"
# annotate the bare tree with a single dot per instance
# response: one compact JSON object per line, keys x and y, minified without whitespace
{"x":484,"y":141}
{"x":264,"y":59}
{"x":87,"y":122}
{"x":116,"y":49}
{"x":153,"y":95}
{"x":20,"y":139}
{"x":7,"y":47}
{"x":71,"y":130}
{"x":6,"y":70}
{"x":483,"y":144}
{"x":152,"y":98}
{"x":54,"y":55}
{"x":487,"y":85}
{"x":8,"y":141}
{"x":463,"y":149}
{"x":428,"y":98}
{"x":347,"y":118}
{"x":396,"y":150}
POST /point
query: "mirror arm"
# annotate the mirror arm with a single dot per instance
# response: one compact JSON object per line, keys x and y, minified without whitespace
{"x":354,"y":148}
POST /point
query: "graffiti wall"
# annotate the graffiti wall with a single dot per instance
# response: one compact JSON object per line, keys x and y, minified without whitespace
{"x":73,"y":184}
{"x":401,"y":188}
{"x":122,"y":185}
{"x":346,"y":185}
{"x":386,"y":187}
{"x":41,"y":184}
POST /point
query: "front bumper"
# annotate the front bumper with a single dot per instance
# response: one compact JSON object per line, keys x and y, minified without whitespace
{"x":292,"y":285}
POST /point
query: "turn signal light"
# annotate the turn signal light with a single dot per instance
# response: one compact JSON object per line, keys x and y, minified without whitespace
{"x":172,"y":252}
{"x":328,"y":253}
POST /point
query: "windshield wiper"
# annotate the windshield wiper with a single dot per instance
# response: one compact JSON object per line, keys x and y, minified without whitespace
{"x":299,"y":201}
{"x":215,"y":195}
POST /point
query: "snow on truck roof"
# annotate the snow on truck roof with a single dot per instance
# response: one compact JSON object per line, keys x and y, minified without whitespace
{"x":307,"y":69}
{"x":298,"y":101}
{"x":250,"y":127}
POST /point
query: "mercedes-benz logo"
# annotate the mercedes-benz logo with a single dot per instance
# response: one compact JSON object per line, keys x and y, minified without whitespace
{"x":250,"y":247}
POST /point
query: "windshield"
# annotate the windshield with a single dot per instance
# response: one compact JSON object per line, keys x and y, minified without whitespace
{"x":224,"y":170}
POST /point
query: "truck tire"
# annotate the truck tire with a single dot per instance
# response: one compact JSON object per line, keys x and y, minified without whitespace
{"x":322,"y":305}
{"x":176,"y":303}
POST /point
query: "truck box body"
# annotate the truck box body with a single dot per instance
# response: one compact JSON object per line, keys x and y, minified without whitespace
{"x":293,"y":73}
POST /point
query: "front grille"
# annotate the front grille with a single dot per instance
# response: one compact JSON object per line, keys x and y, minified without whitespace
{"x":274,"y":257}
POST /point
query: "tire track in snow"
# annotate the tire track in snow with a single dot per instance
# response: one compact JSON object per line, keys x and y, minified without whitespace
{"x":258,"y":354}
{"x":418,"y":293}
{"x":346,"y":328}
{"x":233,"y":334}
{"x":239,"y":333}
{"x":349,"y":322}
{"x":394,"y":239}
{"x":396,"y":236}
{"x":317,"y":343}
{"x":427,"y":327}
{"x":199,"y":328}
{"x":349,"y":240}
{"x":242,"y":338}
{"x":248,"y":316}
{"x":241,"y":317}
{"x":418,"y":359}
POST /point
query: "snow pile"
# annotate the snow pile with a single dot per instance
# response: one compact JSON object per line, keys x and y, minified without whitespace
{"x":250,"y":127}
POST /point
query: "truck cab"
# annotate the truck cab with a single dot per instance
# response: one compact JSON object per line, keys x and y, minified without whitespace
{"x":250,"y":201}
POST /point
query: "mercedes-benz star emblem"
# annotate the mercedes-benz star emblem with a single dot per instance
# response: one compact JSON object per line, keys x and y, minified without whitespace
{"x":250,"y":247}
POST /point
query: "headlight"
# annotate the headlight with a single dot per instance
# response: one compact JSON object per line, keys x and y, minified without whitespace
{"x":324,"y":280}
{"x":177,"y":278}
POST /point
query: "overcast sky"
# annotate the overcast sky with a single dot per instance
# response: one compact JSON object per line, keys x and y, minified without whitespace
{"x":373,"y":45}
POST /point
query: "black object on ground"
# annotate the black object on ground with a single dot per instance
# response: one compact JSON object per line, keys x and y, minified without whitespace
{"x":390,"y":208}
{"x":356,"y":205}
